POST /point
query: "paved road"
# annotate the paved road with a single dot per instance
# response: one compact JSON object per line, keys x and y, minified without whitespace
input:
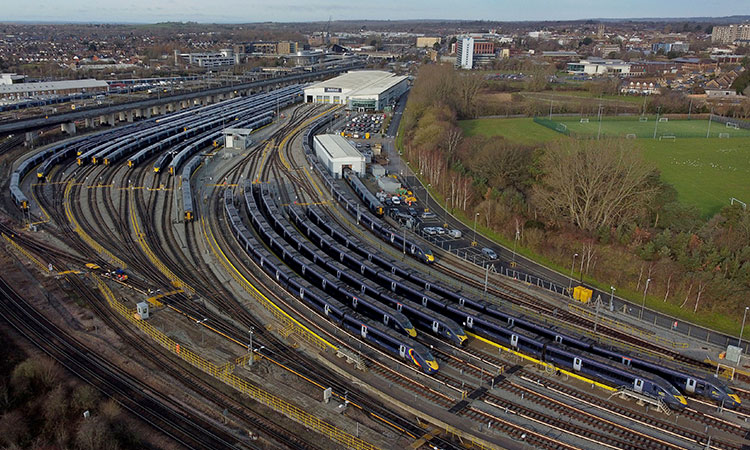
{"x":624,"y":310}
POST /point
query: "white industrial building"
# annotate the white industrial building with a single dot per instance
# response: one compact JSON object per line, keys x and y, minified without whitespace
{"x":337,"y":154}
{"x":361,"y":90}
{"x":593,"y":66}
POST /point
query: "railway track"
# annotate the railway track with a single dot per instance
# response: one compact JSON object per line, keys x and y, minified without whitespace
{"x":155,"y":409}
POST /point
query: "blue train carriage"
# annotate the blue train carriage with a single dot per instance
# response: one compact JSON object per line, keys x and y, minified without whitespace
{"x":367,"y":197}
{"x":587,"y":365}
{"x":386,"y":339}
{"x":698,"y":384}
{"x":691,"y":384}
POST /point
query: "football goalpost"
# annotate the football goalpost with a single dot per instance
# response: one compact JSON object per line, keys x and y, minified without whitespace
{"x":663,"y":119}
{"x":670,"y":137}
{"x":630,"y":136}
{"x":723,"y":135}
{"x":643,"y":119}
{"x":561,"y":127}
{"x":733,"y":125}
{"x":584,"y":120}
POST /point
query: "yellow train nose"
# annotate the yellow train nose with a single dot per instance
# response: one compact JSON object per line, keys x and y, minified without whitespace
{"x":682,"y":400}
{"x":736,"y":398}
{"x":433,"y":364}
{"x":462,"y":338}
{"x":411,"y":332}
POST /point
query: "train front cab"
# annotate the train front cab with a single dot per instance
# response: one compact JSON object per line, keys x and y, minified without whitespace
{"x":421,"y":357}
{"x":715,"y":390}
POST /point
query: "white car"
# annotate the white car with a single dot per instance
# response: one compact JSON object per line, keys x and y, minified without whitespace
{"x":429,"y":231}
{"x":396,"y":200}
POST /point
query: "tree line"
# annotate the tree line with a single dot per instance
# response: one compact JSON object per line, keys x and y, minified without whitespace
{"x":599,"y":199}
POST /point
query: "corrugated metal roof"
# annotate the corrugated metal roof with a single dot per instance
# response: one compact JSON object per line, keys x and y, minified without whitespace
{"x":52,"y":86}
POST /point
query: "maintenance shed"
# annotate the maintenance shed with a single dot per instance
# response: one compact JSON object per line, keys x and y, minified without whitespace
{"x":361,"y":90}
{"x":337,"y":154}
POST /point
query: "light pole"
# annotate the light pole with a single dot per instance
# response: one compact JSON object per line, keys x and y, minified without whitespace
{"x":656,"y":124}
{"x":643,"y":304}
{"x":250,"y":346}
{"x":513,"y":262}
{"x":744,"y":316}
{"x":570,"y":278}
{"x":427,"y":196}
{"x":201,"y":322}
{"x":474,"y":242}
{"x":612,"y":298}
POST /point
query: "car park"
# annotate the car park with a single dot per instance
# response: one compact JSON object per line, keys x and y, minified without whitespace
{"x":489,"y":253}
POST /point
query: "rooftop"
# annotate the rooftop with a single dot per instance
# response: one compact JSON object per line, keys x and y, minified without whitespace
{"x":337,"y":147}
{"x":361,"y":82}
{"x":52,"y":86}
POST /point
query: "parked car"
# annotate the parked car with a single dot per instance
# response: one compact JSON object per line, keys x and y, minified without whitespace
{"x":489,"y":253}
{"x":428,"y":215}
{"x":430,"y":231}
{"x":395,"y":200}
{"x":454,"y":233}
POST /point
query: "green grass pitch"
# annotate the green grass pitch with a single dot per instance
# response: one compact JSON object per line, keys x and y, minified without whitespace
{"x":622,"y":127}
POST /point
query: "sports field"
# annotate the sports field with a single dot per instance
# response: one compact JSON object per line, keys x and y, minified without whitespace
{"x":705,"y":172}
{"x":519,"y":130}
{"x":648,"y":127}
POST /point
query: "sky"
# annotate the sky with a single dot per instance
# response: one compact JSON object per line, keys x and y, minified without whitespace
{"x":244,"y":11}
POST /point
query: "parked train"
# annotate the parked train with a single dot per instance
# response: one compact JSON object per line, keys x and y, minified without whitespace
{"x":399,"y":346}
{"x":353,"y":251}
{"x":367,"y":197}
{"x":420,"y":316}
{"x":309,"y":270}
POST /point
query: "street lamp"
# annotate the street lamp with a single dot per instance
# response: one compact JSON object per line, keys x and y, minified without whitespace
{"x":612,"y":298}
{"x":643,"y":305}
{"x":201,"y":322}
{"x":513,"y":262}
{"x":250,"y":346}
{"x":570,"y":278}
{"x":474,"y":242}
{"x":427,"y":196}
{"x":744,"y":316}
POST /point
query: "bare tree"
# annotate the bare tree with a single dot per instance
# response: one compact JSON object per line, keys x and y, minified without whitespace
{"x":452,"y":137}
{"x":593,"y":184}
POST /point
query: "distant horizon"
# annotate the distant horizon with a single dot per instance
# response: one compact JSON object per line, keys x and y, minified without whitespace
{"x":746,"y":17}
{"x":231,"y":12}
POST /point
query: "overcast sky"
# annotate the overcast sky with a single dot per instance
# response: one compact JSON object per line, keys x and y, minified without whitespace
{"x":243,"y":11}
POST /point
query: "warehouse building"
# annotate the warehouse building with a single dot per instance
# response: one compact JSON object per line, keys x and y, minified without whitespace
{"x":361,"y":90}
{"x":337,"y":154}
{"x":19,"y":91}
